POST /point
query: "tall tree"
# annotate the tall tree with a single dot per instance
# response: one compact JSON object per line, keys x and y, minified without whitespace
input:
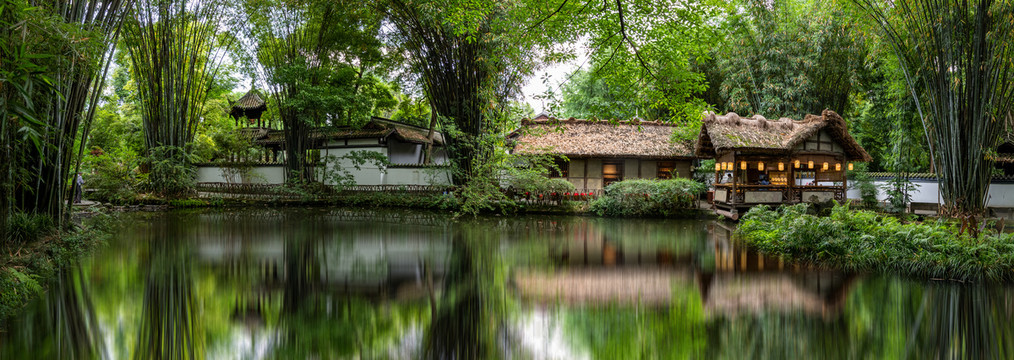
{"x":175,"y":55}
{"x":789,"y":58}
{"x":52,"y":61}
{"x":958,"y":63}
{"x":321,"y":61}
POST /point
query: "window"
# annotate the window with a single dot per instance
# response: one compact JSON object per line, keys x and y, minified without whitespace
{"x":665,"y":169}
{"x":612,"y":171}
{"x":563,"y":166}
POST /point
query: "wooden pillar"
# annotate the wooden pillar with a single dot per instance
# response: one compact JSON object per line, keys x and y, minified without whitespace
{"x":735,"y":179}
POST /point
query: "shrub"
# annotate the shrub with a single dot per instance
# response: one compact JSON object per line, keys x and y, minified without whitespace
{"x":23,"y":228}
{"x":865,"y":241}
{"x":170,"y":175}
{"x":536,"y":183}
{"x":665,"y":198}
{"x":113,"y":176}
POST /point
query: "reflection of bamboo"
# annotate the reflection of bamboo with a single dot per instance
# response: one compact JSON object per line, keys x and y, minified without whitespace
{"x":170,"y":322}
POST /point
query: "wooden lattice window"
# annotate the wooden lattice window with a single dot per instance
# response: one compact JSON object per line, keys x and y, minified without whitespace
{"x":665,"y":169}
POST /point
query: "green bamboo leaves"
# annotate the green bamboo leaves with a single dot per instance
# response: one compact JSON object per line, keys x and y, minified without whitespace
{"x":956,"y":57}
{"x":174,"y":56}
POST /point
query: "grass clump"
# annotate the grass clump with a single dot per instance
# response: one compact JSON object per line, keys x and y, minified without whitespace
{"x":649,"y":198}
{"x":865,"y":241}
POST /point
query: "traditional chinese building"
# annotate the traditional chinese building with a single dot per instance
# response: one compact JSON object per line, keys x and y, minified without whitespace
{"x":598,"y":152}
{"x":761,"y":161}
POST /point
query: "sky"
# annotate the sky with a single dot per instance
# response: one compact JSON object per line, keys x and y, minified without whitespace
{"x":557,"y":74}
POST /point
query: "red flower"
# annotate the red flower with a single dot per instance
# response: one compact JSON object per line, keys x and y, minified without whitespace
{"x":526,"y":193}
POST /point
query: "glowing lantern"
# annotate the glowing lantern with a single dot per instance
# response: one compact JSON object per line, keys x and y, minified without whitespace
{"x":810,"y":164}
{"x":718,"y":166}
{"x":837,"y":167}
{"x":760,"y":166}
{"x":797,"y":164}
{"x":850,"y":166}
{"x":825,"y":166}
{"x":742,"y":165}
{"x":781,"y":166}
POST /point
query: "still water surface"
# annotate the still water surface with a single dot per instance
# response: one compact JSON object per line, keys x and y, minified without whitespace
{"x":372,"y":284}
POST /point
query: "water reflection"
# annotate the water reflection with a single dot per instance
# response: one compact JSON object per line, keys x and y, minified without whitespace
{"x":305,"y":283}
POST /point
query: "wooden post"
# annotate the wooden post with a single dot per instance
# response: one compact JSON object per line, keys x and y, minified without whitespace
{"x":735,"y":179}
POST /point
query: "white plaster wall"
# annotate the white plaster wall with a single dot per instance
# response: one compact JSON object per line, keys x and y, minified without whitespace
{"x":274,"y":174}
{"x":369,"y":174}
{"x":417,"y":176}
{"x":404,"y":153}
{"x":927,"y":191}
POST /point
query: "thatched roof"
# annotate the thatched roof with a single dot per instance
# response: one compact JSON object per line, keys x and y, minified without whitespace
{"x":376,"y":128}
{"x":732,"y":132}
{"x":592,"y":138}
{"x":250,"y":101}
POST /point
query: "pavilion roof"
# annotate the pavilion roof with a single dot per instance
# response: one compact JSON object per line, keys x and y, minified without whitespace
{"x":733,"y":132}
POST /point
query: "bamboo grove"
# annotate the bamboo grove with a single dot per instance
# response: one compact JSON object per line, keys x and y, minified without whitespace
{"x":957,"y":59}
{"x":54,"y":58}
{"x":175,"y":55}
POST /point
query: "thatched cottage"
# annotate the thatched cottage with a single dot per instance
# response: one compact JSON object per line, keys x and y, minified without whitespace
{"x":761,"y":161}
{"x":601,"y":152}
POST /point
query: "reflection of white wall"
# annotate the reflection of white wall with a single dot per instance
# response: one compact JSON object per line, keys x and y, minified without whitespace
{"x":927,"y":191}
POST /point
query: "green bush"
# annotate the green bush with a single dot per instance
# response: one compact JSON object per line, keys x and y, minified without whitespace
{"x":535,"y":183}
{"x":865,"y":241}
{"x":170,"y":175}
{"x":23,"y":228}
{"x":653,"y":198}
{"x":113,"y":176}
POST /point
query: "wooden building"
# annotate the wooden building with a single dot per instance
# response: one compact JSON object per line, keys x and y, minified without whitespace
{"x":1005,"y":156}
{"x":760,"y":161}
{"x":602,"y":152}
{"x":250,"y":106}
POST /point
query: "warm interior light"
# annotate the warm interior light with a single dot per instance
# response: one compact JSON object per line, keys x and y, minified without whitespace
{"x":837,"y":167}
{"x":742,"y":165}
{"x":781,"y":166}
{"x":797,"y":164}
{"x":850,"y":167}
{"x":760,"y":166}
{"x":810,"y":164}
{"x":825,"y":166}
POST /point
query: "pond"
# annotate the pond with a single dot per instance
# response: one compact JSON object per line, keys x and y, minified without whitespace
{"x":385,"y":284}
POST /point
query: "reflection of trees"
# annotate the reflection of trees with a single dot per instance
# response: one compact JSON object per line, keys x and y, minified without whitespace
{"x":637,"y":332}
{"x":884,"y":318}
{"x":472,"y":311}
{"x":171,"y":326}
{"x":319,"y":320}
{"x":968,"y":322}
{"x":62,"y":325}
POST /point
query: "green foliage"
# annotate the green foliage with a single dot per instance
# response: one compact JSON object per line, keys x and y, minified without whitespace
{"x":868,"y":192}
{"x":169,"y":174}
{"x":536,"y":183}
{"x":22,"y":228}
{"x":649,"y":198}
{"x":789,"y":58}
{"x":898,"y":191}
{"x":641,"y":331}
{"x":864,"y":241}
{"x":114,"y":176}
{"x":16,"y":290}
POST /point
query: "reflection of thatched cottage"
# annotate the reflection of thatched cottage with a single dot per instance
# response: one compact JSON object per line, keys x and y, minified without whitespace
{"x":602,"y":152}
{"x":777,"y":161}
